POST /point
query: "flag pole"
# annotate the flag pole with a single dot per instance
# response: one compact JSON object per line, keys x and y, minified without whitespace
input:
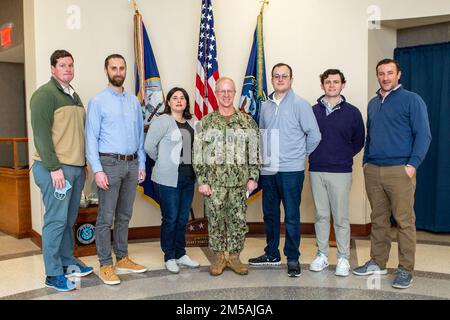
{"x":263,"y":3}
{"x":133,"y":3}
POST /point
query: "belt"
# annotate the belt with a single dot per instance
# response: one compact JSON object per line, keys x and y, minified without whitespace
{"x":127,"y":157}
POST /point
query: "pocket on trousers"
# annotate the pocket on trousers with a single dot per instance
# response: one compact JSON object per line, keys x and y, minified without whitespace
{"x":108,"y":161}
{"x":406,"y":173}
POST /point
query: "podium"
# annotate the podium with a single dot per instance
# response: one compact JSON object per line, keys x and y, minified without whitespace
{"x":86,"y":216}
{"x":197,"y":232}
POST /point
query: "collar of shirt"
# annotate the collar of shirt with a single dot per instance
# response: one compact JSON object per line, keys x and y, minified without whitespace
{"x":69,"y":90}
{"x":329,"y":108}
{"x":114,"y":92}
{"x":278,"y":101}
{"x":66,"y":89}
{"x":387,"y":93}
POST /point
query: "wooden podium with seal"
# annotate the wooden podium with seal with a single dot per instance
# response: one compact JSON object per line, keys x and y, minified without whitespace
{"x":84,"y":229}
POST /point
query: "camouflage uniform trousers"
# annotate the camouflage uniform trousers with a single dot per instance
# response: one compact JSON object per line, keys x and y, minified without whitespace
{"x":226,"y":212}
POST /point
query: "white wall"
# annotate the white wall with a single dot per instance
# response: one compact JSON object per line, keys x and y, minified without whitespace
{"x":309,"y":35}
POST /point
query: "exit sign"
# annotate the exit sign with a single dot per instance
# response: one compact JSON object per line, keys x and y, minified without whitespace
{"x":5,"y":35}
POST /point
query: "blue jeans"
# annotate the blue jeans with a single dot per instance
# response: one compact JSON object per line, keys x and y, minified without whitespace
{"x":175,"y":205}
{"x":283,"y":187}
{"x":59,"y":217}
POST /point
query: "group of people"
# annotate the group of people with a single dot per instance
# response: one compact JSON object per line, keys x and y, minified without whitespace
{"x":229,"y":156}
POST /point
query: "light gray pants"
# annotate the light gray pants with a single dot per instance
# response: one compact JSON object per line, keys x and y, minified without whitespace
{"x":330,"y":193}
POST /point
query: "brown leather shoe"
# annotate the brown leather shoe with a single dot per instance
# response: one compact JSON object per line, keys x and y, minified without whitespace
{"x":219,"y":264}
{"x":235,"y":264}
{"x":127,"y":265}
{"x":108,"y":275}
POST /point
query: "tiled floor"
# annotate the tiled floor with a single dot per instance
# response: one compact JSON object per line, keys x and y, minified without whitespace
{"x":21,"y":265}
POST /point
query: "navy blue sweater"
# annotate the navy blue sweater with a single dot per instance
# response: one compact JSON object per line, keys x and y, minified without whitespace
{"x":342,"y":138}
{"x":398,"y":131}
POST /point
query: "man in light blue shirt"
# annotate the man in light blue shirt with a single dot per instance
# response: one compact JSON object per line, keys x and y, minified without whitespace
{"x":115,"y":152}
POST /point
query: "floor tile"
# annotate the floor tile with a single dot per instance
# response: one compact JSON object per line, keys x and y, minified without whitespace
{"x":22,"y":274}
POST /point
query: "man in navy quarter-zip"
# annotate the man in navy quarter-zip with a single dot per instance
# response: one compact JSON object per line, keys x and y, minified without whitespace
{"x":330,"y":169}
{"x":398,"y":137}
{"x":289,"y":133}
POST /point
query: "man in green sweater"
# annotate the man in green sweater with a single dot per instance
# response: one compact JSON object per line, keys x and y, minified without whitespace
{"x":57,"y":119}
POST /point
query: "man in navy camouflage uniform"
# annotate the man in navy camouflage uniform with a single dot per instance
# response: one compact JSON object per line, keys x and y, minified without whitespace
{"x":226,"y":161}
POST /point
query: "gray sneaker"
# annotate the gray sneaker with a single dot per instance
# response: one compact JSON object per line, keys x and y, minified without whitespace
{"x":402,"y":280}
{"x":370,"y":267}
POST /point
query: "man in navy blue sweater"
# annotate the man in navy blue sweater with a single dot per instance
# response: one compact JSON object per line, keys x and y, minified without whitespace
{"x":398,"y":137}
{"x":330,"y":168}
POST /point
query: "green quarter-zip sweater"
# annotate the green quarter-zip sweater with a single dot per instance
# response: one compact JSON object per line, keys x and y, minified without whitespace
{"x":58,"y":120}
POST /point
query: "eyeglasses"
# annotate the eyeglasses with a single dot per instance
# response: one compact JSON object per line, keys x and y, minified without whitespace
{"x":223,"y":92}
{"x":281,"y":76}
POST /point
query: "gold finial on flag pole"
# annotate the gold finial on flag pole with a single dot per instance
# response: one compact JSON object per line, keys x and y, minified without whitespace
{"x":263,"y":3}
{"x":133,"y":2}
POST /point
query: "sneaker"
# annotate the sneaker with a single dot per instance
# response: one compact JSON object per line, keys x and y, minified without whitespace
{"x":342,"y":267}
{"x":319,"y":263}
{"x":172,"y":266}
{"x":186,"y":261}
{"x":127,"y":265}
{"x":264,"y":260}
{"x":77,"y":270}
{"x":108,"y":275}
{"x":294,"y":269}
{"x":402,"y":280}
{"x":60,"y":283}
{"x":370,"y":267}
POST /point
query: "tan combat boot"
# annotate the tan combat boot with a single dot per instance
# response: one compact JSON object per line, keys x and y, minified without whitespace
{"x":219,"y":264}
{"x":235,"y":264}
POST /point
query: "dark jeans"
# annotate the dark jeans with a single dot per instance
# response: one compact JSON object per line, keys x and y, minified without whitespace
{"x":283,"y":187}
{"x":175,"y":205}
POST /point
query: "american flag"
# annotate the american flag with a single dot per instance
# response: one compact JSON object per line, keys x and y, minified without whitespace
{"x":207,"y":66}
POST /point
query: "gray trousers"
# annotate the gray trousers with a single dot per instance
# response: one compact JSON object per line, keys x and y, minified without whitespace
{"x":115,"y":205}
{"x":59,"y":218}
{"x":330,"y":193}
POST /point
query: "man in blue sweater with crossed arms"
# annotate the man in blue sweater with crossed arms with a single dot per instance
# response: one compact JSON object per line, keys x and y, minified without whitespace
{"x":398,"y":137}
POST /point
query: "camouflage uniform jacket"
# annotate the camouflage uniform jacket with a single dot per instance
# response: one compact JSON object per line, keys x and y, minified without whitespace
{"x":226,"y":153}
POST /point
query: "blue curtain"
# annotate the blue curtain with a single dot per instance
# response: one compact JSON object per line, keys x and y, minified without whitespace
{"x":426,"y":71}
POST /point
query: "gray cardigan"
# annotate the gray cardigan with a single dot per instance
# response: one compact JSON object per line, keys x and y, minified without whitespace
{"x":163,"y":144}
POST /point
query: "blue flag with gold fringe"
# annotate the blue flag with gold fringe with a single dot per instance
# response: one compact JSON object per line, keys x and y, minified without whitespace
{"x":148,"y":91}
{"x":254,"y":89}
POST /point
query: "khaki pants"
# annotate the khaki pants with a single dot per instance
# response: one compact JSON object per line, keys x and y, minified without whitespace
{"x":391,"y":190}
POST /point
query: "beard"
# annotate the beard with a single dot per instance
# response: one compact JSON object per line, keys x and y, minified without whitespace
{"x":116,"y":81}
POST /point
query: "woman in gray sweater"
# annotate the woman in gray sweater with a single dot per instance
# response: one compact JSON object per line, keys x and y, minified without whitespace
{"x":169,"y":143}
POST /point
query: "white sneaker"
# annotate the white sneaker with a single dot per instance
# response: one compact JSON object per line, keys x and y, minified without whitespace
{"x":172,"y":266}
{"x":342,"y":267}
{"x":320,"y":263}
{"x":186,"y":261}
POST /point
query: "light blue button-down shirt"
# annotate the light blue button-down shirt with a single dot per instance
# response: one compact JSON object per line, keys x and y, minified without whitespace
{"x":114,"y":125}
